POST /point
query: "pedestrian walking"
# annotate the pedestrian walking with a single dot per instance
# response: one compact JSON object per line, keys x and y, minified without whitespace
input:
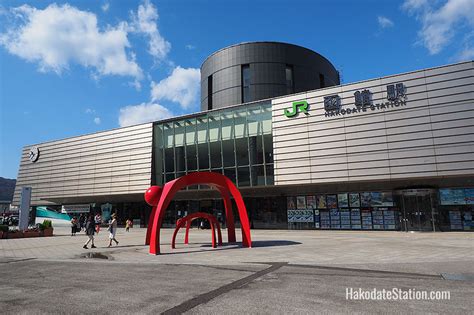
{"x":82,"y":221}
{"x":73,"y":226}
{"x":90,"y":230}
{"x":98,"y":222}
{"x":128,"y":225}
{"x":112,"y":230}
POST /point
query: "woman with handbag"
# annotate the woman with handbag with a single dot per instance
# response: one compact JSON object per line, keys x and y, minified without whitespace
{"x":112,"y":230}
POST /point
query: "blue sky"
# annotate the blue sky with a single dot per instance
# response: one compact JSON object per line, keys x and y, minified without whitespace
{"x":76,"y":67}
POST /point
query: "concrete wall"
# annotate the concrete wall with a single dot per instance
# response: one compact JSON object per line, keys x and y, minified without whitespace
{"x":106,"y":163}
{"x":432,"y":135}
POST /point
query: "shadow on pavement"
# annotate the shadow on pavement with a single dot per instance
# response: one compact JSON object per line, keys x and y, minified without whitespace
{"x":274,"y":243}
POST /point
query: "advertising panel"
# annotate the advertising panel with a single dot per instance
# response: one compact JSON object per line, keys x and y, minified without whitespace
{"x":335,"y":218}
{"x":450,"y":196}
{"x":290,"y":203}
{"x":301,"y":202}
{"x":354,"y":201}
{"x":365,"y":199}
{"x":455,"y":220}
{"x":331,"y":201}
{"x":355,"y":219}
{"x":366,"y":216}
{"x":469,"y":196}
{"x":376,"y":199}
{"x":342,"y":200}
{"x":321,"y":201}
{"x":345,"y":219}
{"x":377,"y":219}
{"x":387,"y":199}
{"x":301,"y":216}
{"x":311,"y":202}
{"x":325,"y":219}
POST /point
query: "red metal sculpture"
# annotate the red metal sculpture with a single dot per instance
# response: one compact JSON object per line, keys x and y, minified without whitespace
{"x":160,"y":198}
{"x":193,"y":216}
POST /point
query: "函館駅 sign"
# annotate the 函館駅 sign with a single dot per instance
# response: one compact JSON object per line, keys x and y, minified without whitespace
{"x":396,"y":97}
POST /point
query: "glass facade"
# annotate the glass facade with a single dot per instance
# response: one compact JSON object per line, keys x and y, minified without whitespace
{"x":235,"y":142}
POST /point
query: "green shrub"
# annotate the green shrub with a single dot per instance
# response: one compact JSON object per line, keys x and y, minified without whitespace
{"x":47,"y":224}
{"x":4,"y":228}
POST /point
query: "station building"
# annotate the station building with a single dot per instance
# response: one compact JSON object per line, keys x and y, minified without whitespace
{"x":390,"y":153}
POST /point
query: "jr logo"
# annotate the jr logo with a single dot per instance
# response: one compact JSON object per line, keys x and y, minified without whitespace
{"x":297,"y":107}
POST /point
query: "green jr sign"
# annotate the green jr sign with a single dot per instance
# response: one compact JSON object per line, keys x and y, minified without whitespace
{"x":300,"y":106}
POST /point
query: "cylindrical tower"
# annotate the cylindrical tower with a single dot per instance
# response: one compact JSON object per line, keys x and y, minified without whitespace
{"x":258,"y":70}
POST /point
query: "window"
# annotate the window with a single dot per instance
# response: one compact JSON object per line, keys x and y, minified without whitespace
{"x":243,"y":175}
{"x":180,"y":159}
{"x":235,"y":142}
{"x":268,"y":146}
{"x":246,"y":97}
{"x":191,"y":157}
{"x":322,"y":83}
{"x":242,"y":151}
{"x":216,"y":158}
{"x":209,"y":92}
{"x":203,"y":156}
{"x":228,"y":153}
{"x":169,"y":159}
{"x":289,"y":79}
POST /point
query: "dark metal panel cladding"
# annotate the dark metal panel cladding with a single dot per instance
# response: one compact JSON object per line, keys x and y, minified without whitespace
{"x":267,"y":61}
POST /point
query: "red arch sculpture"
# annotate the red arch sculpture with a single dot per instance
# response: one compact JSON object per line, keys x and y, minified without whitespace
{"x":160,"y":198}
{"x":187,"y":221}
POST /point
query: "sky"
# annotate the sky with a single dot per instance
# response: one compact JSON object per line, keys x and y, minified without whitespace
{"x":77,"y":67}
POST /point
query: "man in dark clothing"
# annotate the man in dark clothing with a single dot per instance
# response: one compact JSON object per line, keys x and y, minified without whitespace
{"x":82,"y":219}
{"x":90,"y":230}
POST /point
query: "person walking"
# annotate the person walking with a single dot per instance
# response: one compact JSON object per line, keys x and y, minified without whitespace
{"x":98,"y":222}
{"x":128,"y":225}
{"x":82,"y":221}
{"x":90,"y":230}
{"x":73,"y":226}
{"x":112,"y":230}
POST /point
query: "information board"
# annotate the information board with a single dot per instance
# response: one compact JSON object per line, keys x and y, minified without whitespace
{"x":366,"y":216}
{"x":355,"y":219}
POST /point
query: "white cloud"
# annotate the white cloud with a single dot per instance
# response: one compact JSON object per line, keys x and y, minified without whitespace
{"x":137,"y":114}
{"x":61,"y":35}
{"x":182,"y":87}
{"x":97,"y":120}
{"x":413,"y":5}
{"x":466,"y":54}
{"x":90,"y":111}
{"x":384,"y":22}
{"x":190,"y":47}
{"x":441,"y":24}
{"x":105,"y":7}
{"x":145,"y":21}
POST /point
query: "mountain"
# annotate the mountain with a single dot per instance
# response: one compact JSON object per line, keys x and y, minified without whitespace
{"x":7,"y":187}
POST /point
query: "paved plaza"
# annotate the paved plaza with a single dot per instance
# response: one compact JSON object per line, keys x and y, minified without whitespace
{"x":285,"y":272}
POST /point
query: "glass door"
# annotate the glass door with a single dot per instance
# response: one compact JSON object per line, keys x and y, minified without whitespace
{"x":416,"y":211}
